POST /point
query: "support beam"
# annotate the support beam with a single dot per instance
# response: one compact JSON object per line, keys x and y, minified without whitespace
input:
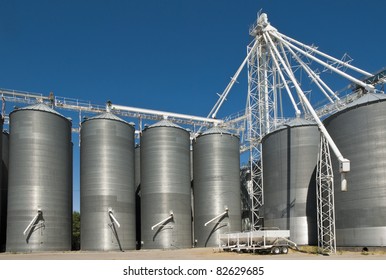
{"x":164,"y":114}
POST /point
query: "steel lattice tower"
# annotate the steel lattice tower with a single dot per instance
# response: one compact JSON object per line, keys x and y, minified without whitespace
{"x":325,"y":200}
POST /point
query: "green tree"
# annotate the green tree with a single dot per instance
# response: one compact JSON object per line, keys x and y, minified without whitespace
{"x":75,"y":230}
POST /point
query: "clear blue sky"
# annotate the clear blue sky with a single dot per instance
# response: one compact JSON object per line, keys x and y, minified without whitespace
{"x":170,"y":55}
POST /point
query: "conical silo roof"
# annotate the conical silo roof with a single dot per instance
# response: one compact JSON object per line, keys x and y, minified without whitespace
{"x":294,"y":123}
{"x":300,"y":122}
{"x":107,"y":116}
{"x":364,"y":100}
{"x":217,"y":130}
{"x":165,"y":123}
{"x":367,"y":98}
{"x":40,"y":107}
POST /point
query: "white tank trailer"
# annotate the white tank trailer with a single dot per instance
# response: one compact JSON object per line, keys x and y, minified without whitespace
{"x":107,"y":191}
{"x":289,"y":165}
{"x":40,"y":181}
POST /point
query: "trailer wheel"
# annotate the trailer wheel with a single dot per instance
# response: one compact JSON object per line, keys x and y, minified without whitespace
{"x":275,"y":250}
{"x":284,"y":250}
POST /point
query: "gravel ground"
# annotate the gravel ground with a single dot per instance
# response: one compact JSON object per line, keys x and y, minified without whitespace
{"x":189,"y":254}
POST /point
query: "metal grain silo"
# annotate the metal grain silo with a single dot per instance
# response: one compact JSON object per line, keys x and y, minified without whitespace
{"x":3,"y":188}
{"x":40,"y":181}
{"x":165,"y":187}
{"x":289,"y":164}
{"x":107,"y":184}
{"x":217,"y":201}
{"x":360,"y":133}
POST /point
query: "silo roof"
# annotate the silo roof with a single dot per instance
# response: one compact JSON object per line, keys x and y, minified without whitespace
{"x":165,"y":123}
{"x":294,"y":123}
{"x":300,"y":122}
{"x":41,"y":107}
{"x":216,"y":130}
{"x":367,"y":98}
{"x":107,"y":116}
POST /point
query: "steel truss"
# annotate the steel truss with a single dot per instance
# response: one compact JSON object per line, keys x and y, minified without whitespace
{"x":257,"y":105}
{"x":325,"y":200}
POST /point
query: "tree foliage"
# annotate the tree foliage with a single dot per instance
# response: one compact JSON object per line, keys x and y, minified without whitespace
{"x":75,"y":230}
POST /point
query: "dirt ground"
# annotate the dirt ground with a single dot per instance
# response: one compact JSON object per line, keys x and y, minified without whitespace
{"x":192,"y":254}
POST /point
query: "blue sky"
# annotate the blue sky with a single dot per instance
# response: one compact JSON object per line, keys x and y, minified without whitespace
{"x":169,"y":55}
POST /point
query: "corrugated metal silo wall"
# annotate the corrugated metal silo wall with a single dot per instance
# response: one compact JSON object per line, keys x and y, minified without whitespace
{"x":107,"y":182}
{"x":165,"y":187}
{"x":40,"y":177}
{"x":289,"y":166}
{"x":245,"y":178}
{"x":137,"y":157}
{"x":360,"y":134}
{"x":216,"y":186}
{"x":3,"y":188}
{"x":191,"y":191}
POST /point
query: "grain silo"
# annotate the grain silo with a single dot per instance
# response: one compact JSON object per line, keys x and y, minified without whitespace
{"x":3,"y":188}
{"x":360,"y":133}
{"x":289,"y":179}
{"x":217,"y":202}
{"x":165,"y":187}
{"x":107,"y":196}
{"x":40,"y":181}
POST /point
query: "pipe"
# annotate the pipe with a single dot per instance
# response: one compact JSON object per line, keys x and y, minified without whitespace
{"x":344,"y":164}
{"x":217,"y":217}
{"x":32,"y":222}
{"x":160,"y":223}
{"x":368,"y":87}
{"x":111,"y":214}
{"x":298,"y":113}
{"x":225,"y":93}
{"x":319,"y":82}
{"x":313,"y":49}
{"x":163,"y":113}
